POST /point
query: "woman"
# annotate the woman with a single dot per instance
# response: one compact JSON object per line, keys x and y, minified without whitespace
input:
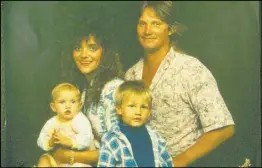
{"x":88,"y":60}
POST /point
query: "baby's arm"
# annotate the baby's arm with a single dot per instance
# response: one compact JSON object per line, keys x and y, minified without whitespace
{"x":84,"y":136}
{"x":45,"y":139}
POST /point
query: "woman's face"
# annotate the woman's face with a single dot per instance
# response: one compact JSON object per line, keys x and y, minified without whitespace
{"x":88,"y":55}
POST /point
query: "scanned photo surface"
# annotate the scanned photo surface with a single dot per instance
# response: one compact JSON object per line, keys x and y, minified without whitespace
{"x":39,"y":46}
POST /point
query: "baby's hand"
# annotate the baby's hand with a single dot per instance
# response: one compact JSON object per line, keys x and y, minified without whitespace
{"x":59,"y":138}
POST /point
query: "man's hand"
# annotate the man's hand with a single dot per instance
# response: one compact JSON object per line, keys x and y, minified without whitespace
{"x":179,"y":162}
{"x":59,"y":138}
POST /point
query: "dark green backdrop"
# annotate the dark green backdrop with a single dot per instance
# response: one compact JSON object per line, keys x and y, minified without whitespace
{"x":222,"y":35}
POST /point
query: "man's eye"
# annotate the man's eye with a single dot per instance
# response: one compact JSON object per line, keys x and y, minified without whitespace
{"x":156,"y":24}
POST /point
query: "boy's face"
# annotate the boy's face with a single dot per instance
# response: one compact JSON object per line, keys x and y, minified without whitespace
{"x":135,"y":110}
{"x":66,"y":104}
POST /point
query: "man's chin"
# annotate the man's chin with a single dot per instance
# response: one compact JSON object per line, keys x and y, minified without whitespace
{"x":150,"y":49}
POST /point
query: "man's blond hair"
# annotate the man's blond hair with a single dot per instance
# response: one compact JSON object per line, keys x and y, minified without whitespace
{"x":62,"y":87}
{"x":136,"y":87}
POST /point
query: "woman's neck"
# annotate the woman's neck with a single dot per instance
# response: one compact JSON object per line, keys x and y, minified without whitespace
{"x":90,"y":77}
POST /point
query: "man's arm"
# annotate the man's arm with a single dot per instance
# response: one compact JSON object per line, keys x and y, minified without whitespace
{"x":86,"y":156}
{"x":206,"y":143}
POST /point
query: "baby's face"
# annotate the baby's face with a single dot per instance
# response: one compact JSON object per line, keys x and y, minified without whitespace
{"x":66,"y":105}
{"x":135,"y":110}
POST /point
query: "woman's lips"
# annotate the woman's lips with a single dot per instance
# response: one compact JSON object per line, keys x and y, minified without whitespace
{"x":86,"y":63}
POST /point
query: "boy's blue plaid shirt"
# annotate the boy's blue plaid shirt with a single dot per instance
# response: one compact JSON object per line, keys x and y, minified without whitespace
{"x":115,"y":150}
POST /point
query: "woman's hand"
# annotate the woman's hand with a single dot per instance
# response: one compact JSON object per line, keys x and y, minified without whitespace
{"x":62,"y":155}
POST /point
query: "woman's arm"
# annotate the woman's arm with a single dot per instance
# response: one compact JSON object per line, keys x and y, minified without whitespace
{"x":86,"y":156}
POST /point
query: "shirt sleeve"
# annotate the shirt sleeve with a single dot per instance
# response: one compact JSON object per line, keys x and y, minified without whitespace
{"x":165,"y":157}
{"x":129,"y":74}
{"x":106,"y":158}
{"x":206,"y":99}
{"x":108,"y":100}
{"x":107,"y":153}
{"x":84,"y":136}
{"x":45,"y":135}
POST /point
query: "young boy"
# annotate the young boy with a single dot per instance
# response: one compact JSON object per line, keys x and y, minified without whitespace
{"x":130,"y":143}
{"x":69,"y":128}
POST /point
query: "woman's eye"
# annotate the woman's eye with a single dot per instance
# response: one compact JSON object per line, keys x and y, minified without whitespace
{"x":141,"y":23}
{"x":77,"y":48}
{"x":93,"y":48}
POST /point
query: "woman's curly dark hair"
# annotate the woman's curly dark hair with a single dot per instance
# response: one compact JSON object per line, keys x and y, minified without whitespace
{"x":76,"y":21}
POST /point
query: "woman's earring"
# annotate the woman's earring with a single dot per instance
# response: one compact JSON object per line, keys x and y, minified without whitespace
{"x":172,"y":30}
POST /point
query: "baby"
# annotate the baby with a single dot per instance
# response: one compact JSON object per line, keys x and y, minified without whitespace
{"x":70,"y":128}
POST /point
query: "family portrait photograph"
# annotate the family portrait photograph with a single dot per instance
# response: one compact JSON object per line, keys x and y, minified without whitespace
{"x":130,"y":83}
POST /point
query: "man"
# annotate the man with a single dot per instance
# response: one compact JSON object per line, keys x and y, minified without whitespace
{"x":187,"y":109}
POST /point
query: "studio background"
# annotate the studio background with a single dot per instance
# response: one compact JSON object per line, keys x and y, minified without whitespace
{"x":224,"y":36}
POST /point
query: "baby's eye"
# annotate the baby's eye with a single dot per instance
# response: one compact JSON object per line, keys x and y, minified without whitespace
{"x":62,"y":102}
{"x":73,"y":101}
{"x":144,"y":107}
{"x":131,"y":105}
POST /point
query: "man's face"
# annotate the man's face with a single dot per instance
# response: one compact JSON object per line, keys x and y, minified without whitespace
{"x":152,"y":31}
{"x":134,"y":110}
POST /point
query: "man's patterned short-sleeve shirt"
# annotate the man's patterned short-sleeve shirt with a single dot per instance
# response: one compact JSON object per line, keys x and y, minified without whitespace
{"x":186,"y":100}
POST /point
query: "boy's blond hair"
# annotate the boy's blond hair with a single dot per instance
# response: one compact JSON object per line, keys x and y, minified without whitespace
{"x":136,"y":87}
{"x":62,"y":87}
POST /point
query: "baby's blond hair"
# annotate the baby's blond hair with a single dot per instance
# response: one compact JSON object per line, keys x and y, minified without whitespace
{"x":62,"y":87}
{"x":136,"y":87}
